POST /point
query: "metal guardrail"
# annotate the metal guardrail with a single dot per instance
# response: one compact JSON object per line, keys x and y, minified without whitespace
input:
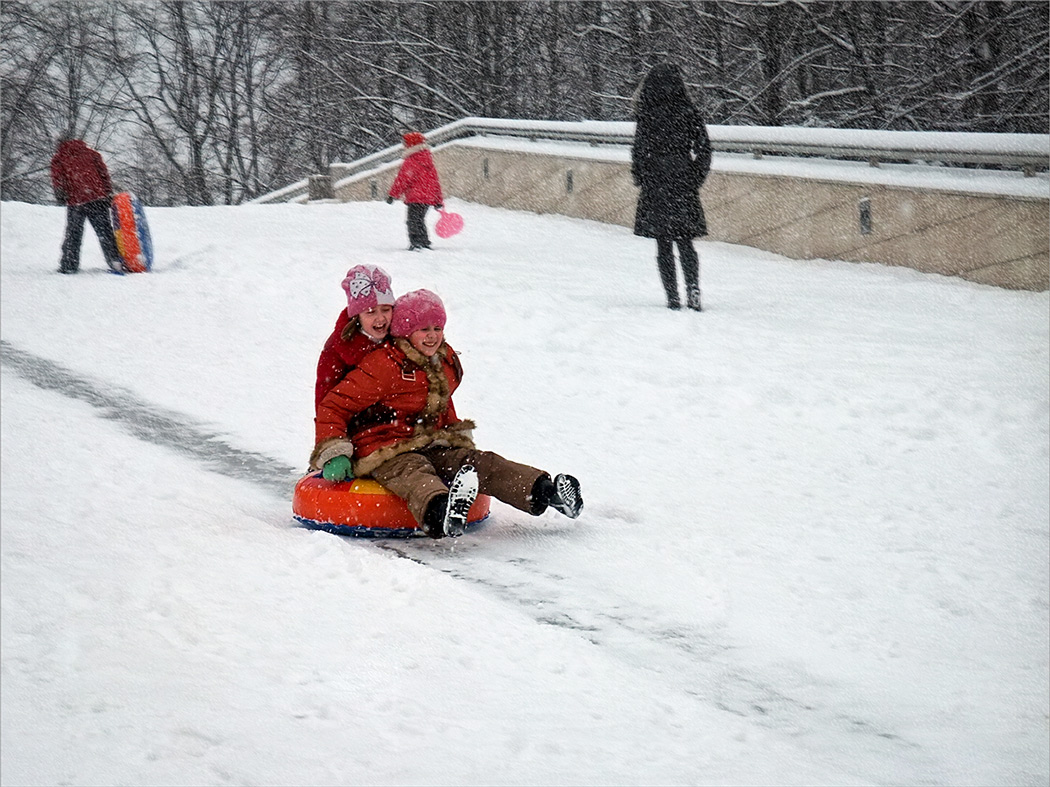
{"x":1027,"y":152}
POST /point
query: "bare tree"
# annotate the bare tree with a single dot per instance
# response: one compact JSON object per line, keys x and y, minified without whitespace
{"x":171,"y":59}
{"x":52,"y":84}
{"x":204,"y":101}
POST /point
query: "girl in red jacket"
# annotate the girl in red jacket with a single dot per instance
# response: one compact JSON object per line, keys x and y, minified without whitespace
{"x":394,"y":415}
{"x":417,"y":181}
{"x":360,"y":328}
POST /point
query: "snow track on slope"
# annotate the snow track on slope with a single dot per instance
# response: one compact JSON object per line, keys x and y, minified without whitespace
{"x":780,"y":698}
{"x":702,"y":666}
{"x":152,"y":424}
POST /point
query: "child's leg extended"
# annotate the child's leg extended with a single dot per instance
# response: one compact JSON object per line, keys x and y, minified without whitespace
{"x":413,"y":478}
{"x":511,"y":482}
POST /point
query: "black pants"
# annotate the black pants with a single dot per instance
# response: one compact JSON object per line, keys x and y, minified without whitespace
{"x":417,"y":228}
{"x":668,"y":275}
{"x":97,"y":213}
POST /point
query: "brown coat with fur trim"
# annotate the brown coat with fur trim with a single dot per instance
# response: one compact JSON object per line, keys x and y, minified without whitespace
{"x":396,"y":400}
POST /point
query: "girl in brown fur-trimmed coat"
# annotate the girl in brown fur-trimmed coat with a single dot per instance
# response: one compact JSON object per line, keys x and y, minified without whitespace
{"x":395,"y":416}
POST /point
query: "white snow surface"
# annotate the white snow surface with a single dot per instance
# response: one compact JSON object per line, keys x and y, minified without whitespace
{"x":814,"y":548}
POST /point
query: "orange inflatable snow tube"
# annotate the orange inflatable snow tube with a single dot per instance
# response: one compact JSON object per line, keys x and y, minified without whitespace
{"x":127,"y":236}
{"x":361,"y":507}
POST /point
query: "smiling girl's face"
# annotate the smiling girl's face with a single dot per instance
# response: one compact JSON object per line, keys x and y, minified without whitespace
{"x":376,"y":321}
{"x":427,"y":340}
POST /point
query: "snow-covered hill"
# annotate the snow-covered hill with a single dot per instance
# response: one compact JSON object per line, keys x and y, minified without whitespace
{"x":814,"y":548}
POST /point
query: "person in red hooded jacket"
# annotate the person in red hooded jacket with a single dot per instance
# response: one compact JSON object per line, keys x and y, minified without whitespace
{"x":395,"y":417}
{"x":363,"y":326}
{"x":417,"y":182}
{"x":81,"y":182}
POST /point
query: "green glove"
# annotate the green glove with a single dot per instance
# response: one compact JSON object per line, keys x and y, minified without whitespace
{"x":337,"y":469}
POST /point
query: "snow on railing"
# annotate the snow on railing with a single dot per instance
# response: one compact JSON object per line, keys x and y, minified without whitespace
{"x":1028,"y":152}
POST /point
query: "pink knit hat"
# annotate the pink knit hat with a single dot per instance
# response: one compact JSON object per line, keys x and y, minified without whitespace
{"x":367,"y":286}
{"x":415,"y":310}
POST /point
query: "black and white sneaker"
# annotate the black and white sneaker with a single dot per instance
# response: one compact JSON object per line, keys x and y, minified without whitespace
{"x":693,"y":297}
{"x":567,"y":499}
{"x":462,"y":493}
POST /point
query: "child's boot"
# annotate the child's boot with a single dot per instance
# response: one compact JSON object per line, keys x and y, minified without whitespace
{"x":434,"y":518}
{"x":462,"y":493}
{"x":562,"y":494}
{"x":567,"y":498}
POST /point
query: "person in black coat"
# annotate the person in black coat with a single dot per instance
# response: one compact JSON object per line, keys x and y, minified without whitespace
{"x":670,"y":159}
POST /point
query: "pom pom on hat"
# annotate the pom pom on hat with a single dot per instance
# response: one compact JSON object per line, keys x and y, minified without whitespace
{"x":367,"y":286}
{"x":413,"y":138}
{"x":415,"y":310}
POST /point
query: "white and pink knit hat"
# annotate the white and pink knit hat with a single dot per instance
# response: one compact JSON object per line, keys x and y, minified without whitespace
{"x":367,"y":286}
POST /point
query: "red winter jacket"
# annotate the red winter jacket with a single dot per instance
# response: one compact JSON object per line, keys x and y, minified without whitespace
{"x":417,"y":179}
{"x":342,"y":352}
{"x":395,"y":401}
{"x":78,"y":174}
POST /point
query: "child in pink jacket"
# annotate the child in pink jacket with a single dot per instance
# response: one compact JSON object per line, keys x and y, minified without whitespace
{"x":417,"y":181}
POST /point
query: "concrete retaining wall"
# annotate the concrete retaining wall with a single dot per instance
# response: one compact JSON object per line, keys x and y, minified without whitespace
{"x":997,"y":239}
